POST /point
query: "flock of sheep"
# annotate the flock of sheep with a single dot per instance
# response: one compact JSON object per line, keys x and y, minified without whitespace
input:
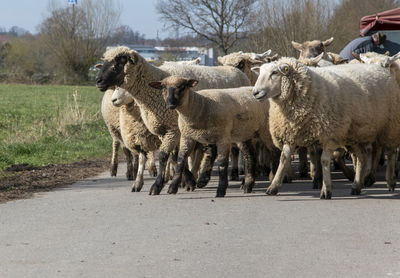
{"x":259,"y":105}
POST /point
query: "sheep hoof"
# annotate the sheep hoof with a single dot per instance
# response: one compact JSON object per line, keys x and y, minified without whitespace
{"x":173,"y":187}
{"x":391,"y":187}
{"x":369,"y":180}
{"x":317,"y":184}
{"x":113,"y":172}
{"x":355,"y":191}
{"x":234,"y":175}
{"x":326,"y":195}
{"x":130,"y":177}
{"x":220,"y":193}
{"x":272,"y":191}
{"x":134,"y":189}
{"x":203,"y":180}
{"x":155,"y":190}
{"x":287,"y":179}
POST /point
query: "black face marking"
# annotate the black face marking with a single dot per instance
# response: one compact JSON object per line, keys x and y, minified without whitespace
{"x":111,"y":73}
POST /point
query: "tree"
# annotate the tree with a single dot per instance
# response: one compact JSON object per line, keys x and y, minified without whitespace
{"x":222,"y":22}
{"x":77,"y":35}
{"x":277,"y":23}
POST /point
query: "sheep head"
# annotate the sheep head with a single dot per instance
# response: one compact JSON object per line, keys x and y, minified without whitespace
{"x":312,"y":62}
{"x":116,"y":64}
{"x":310,"y":49}
{"x":121,"y":97}
{"x":380,"y":59}
{"x":336,"y":59}
{"x":173,"y":89}
{"x":268,"y":83}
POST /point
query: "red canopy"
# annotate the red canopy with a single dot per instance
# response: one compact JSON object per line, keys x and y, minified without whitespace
{"x":387,"y":20}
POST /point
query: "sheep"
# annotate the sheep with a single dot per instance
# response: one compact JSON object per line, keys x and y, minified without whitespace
{"x":111,"y":118}
{"x":134,"y":133}
{"x":191,"y":62}
{"x":336,"y":59}
{"x":310,"y":49}
{"x":342,"y":106}
{"x":245,"y":61}
{"x":315,"y":170}
{"x":125,"y":68}
{"x":218,"y":117}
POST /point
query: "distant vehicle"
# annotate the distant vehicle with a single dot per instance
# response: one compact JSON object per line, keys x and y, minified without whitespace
{"x":388,"y":23}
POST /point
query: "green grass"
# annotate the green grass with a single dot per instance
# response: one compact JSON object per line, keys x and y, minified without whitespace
{"x":42,"y":125}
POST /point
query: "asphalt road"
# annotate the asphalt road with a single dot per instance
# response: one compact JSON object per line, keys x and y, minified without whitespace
{"x":98,"y":228}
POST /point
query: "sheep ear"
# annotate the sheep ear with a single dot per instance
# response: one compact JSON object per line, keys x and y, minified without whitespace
{"x":327,"y":42}
{"x":98,"y":66}
{"x":192,"y":83}
{"x":394,"y":57}
{"x":356,"y":56}
{"x":156,"y":85}
{"x":284,"y":69}
{"x":297,"y":45}
{"x":256,"y":70}
{"x":318,"y":58}
{"x":273,"y":58}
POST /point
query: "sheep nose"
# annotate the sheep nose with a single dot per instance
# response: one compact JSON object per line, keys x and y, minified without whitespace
{"x":255,"y":92}
{"x":114,"y":100}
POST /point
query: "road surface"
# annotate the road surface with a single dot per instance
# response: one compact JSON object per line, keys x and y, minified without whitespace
{"x":98,"y":228}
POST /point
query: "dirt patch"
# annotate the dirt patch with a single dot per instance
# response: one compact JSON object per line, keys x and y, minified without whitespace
{"x":22,"y":180}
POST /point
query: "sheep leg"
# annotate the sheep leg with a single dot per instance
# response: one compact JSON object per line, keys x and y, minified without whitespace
{"x":185,"y":148}
{"x":370,"y":177}
{"x":390,"y":169}
{"x":198,"y":151}
{"x":284,"y":164}
{"x":397,"y":163}
{"x":114,"y":157}
{"x":275,"y":157}
{"x":265,"y":161}
{"x":159,"y":183}
{"x":132,"y":163}
{"x":315,"y":157}
{"x":223,"y":162}
{"x":326,"y":191}
{"x":235,"y":163}
{"x":152,"y":165}
{"x":138,"y":184}
{"x":206,"y":165}
{"x":249,"y":159}
{"x":340,"y":163}
{"x":362,"y":154}
{"x":303,"y":167}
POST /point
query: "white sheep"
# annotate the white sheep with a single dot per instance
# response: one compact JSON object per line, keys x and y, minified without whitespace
{"x":111,"y":118}
{"x":134,"y":133}
{"x":218,"y":117}
{"x":339,"y":106}
{"x":126,"y":68}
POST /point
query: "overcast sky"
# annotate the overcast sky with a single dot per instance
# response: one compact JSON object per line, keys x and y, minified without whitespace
{"x":140,"y":15}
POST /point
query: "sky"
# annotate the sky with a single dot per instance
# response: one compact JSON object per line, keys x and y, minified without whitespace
{"x":140,"y":15}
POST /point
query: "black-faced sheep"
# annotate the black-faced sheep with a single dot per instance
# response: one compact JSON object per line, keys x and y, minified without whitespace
{"x":218,"y":117}
{"x":125,"y":68}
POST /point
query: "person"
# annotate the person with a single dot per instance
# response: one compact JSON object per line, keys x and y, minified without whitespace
{"x":363,"y":45}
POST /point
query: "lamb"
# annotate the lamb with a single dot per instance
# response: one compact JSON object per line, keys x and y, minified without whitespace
{"x":191,"y":62}
{"x":218,"y":117}
{"x":111,"y":118}
{"x":136,"y":137}
{"x":125,"y":68}
{"x":342,"y":106}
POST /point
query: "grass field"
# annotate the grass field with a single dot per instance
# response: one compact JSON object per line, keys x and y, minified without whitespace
{"x":43,"y":125}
